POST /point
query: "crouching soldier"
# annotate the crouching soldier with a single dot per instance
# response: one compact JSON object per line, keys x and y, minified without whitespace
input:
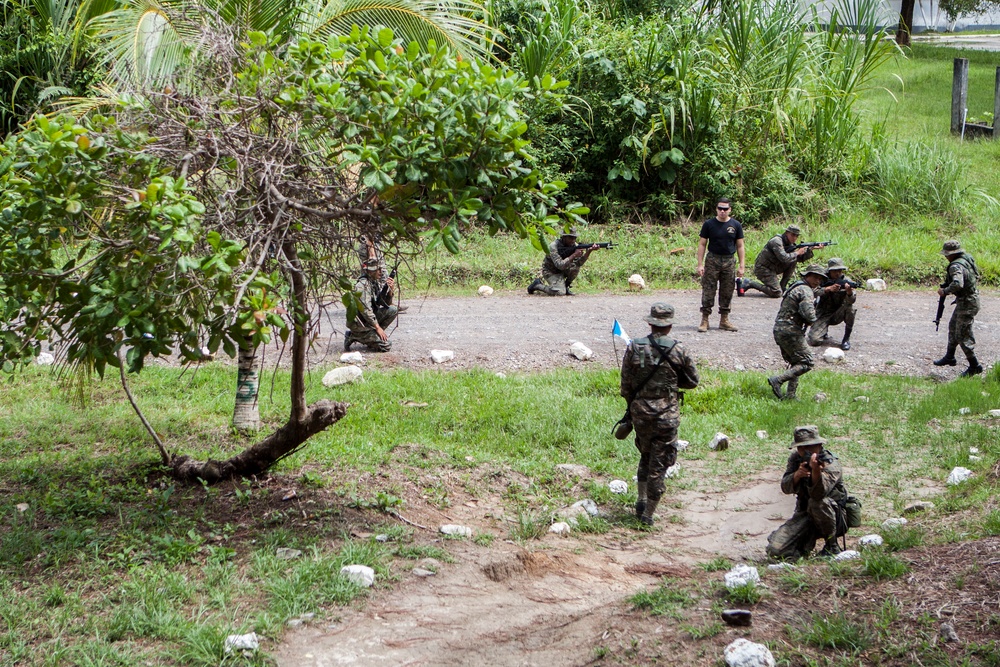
{"x":815,"y":477}
{"x":375,"y":309}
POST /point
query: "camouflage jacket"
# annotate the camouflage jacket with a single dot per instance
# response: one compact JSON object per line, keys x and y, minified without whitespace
{"x":774,"y":258}
{"x":657,"y":399}
{"x":963,"y":276}
{"x":797,"y":309}
{"x":369,"y":290}
{"x":554,"y":264}
{"x":831,"y":484}
{"x":830,"y":302}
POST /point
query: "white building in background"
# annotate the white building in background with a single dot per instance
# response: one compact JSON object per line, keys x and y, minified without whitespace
{"x":927,"y":16}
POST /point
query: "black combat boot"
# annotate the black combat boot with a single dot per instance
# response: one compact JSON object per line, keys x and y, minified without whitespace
{"x":948,"y":359}
{"x":776,"y":381}
{"x":533,"y":286}
{"x":568,"y":283}
{"x":347,"y":341}
{"x":975,"y":368}
{"x":845,"y":344}
{"x":793,"y":387}
{"x":830,"y":548}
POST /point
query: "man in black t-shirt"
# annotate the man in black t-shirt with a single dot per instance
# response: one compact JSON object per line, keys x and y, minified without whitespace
{"x":723,"y":237}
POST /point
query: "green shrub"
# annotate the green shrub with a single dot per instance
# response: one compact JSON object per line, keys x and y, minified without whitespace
{"x":834,"y":631}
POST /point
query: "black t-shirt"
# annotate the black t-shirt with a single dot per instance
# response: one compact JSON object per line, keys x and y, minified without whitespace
{"x":722,"y":236}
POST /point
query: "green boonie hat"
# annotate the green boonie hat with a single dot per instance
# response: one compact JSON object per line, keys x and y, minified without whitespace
{"x":951,"y":248}
{"x":370,"y":263}
{"x":835,"y":264}
{"x":817,"y":269}
{"x":570,"y":232}
{"x":661,"y":315}
{"x":807,"y":435}
{"x":793,"y":229}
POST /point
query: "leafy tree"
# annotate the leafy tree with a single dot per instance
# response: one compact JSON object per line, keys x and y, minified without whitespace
{"x":956,"y":8}
{"x":155,"y":227}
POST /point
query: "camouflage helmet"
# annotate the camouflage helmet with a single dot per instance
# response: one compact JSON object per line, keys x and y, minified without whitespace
{"x":806,"y":436}
{"x":793,"y":229}
{"x":951,"y":248}
{"x":817,"y":269}
{"x":370,"y":264}
{"x":660,"y":315}
{"x":835,"y":264}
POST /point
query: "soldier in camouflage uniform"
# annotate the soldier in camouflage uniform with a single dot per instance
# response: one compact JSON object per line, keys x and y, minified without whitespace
{"x":653,"y":369}
{"x":836,"y":305}
{"x":797,"y":311}
{"x":815,"y":477}
{"x":559,"y":272}
{"x":373,"y":316}
{"x":774,"y":261}
{"x":961,"y":281}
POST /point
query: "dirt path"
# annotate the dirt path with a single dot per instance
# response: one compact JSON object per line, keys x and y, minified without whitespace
{"x":517,"y":332}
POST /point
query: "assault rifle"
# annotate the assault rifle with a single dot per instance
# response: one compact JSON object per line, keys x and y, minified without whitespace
{"x":813,"y":244}
{"x":940,"y":310}
{"x":843,"y":282}
{"x":384,"y":297}
{"x":567,"y":250}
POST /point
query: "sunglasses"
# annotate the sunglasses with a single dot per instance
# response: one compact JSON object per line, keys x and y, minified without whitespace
{"x":722,"y":208}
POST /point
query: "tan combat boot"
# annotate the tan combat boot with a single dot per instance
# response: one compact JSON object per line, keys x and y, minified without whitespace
{"x":725,"y":324}
{"x":703,"y":327}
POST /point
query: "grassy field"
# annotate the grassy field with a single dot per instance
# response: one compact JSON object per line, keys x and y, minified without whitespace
{"x":105,"y":534}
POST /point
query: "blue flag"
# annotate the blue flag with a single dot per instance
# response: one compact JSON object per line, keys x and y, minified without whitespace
{"x":616,"y":330}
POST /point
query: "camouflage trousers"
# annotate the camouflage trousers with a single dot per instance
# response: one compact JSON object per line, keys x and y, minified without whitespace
{"x":794,"y":350}
{"x":769,"y":283}
{"x":367,"y":335}
{"x":796,"y":538}
{"x":960,"y":329}
{"x":556,"y":284}
{"x":820,"y":329}
{"x":720,"y":271}
{"x":656,"y":440}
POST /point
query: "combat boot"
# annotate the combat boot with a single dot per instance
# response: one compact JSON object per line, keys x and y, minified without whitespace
{"x":703,"y":327}
{"x":568,"y":293}
{"x":793,"y":387}
{"x":830,"y":548}
{"x":775,"y":381}
{"x":948,"y":359}
{"x":347,"y":341}
{"x":975,"y":368}
{"x":640,"y":505}
{"x":725,"y":324}
{"x":533,"y":286}
{"x":845,"y":344}
{"x":648,"y":510}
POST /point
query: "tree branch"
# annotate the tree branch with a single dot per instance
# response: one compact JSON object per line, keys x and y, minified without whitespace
{"x":135,"y":406}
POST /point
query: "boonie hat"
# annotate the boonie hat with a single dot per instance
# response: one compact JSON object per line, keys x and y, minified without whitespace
{"x":807,"y":435}
{"x":570,"y":232}
{"x":951,"y":248}
{"x":793,"y":229}
{"x":835,"y":264}
{"x":370,"y":263}
{"x":815,"y":268}
{"x":661,"y":315}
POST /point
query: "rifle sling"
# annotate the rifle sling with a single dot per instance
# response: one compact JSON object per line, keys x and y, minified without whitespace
{"x":664,"y":353}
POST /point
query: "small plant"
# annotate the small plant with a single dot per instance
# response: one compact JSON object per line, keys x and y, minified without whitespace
{"x":834,"y":631}
{"x":882,"y":565}
{"x":991,"y":523}
{"x":668,"y":599}
{"x":794,"y":581}
{"x":903,"y":537}
{"x":484,"y":539}
{"x":703,"y":631}
{"x":312,"y":480}
{"x":601,"y":652}
{"x":748,"y":593}
{"x":528,"y":527}
{"x":716,"y":564}
{"x":591,"y":524}
{"x":383,"y":502}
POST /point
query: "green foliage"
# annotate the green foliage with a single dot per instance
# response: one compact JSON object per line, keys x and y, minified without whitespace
{"x":902,"y":537}
{"x":748,"y":593}
{"x":835,"y":631}
{"x":881,"y":565}
{"x":668,"y":599}
{"x":716,"y":564}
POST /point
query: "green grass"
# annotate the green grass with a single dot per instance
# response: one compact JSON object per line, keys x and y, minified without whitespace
{"x":668,"y":599}
{"x":835,"y":631}
{"x":881,"y":565}
{"x":748,"y":593}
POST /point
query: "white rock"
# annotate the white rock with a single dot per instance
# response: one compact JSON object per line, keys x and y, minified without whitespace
{"x":501,"y":374}
{"x":994,"y":413}
{"x":778,"y":567}
{"x":581,"y":351}
{"x":719,"y":442}
{"x":870,"y":541}
{"x":958,"y":475}
{"x":673,"y":471}
{"x":45,"y":359}
{"x":964,"y":411}
{"x":587,"y":505}
{"x":833,"y":355}
{"x":973,"y":450}
{"x":248,"y":642}
{"x":22,"y":507}
{"x":560,"y":528}
{"x":441,"y":356}
{"x":636,"y":282}
{"x":742,"y":574}
{"x":862,"y":399}
{"x":974,"y":458}
{"x":284,"y":553}
{"x":421,"y":572}
{"x":456,"y":530}
{"x":897,"y":522}
{"x":618,"y":486}
{"x":875,"y":284}
{"x":342,"y":375}
{"x":820,"y":397}
{"x":850,"y":554}
{"x":745,"y":653}
{"x":352,"y":358}
{"x":682,"y":445}
{"x":762,"y":435}
{"x":362,"y":575}
{"x":485,"y":290}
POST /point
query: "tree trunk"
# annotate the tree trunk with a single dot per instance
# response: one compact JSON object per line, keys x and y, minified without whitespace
{"x":905,"y":22}
{"x":303,"y":422}
{"x":246,"y":414}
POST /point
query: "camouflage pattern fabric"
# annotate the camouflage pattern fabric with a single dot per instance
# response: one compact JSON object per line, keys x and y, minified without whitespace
{"x":962,"y":280}
{"x":362,"y":327}
{"x":768,"y":281}
{"x":557,"y":272}
{"x":795,"y":313}
{"x":833,"y":309}
{"x":816,"y":508}
{"x":720,"y":271}
{"x":655,"y":410}
{"x":772,"y":262}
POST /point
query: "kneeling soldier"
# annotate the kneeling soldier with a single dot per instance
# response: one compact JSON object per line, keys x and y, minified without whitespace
{"x":836,"y":305}
{"x":797,"y":311}
{"x":375,"y":309}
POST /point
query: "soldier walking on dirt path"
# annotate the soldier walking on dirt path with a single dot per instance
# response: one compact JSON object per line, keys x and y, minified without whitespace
{"x":774,"y":261}
{"x":815,"y":477}
{"x":836,"y":304}
{"x":797,"y":312}
{"x":723,"y":238}
{"x":653,"y":370}
{"x":961,"y":280}
{"x":561,"y":266}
